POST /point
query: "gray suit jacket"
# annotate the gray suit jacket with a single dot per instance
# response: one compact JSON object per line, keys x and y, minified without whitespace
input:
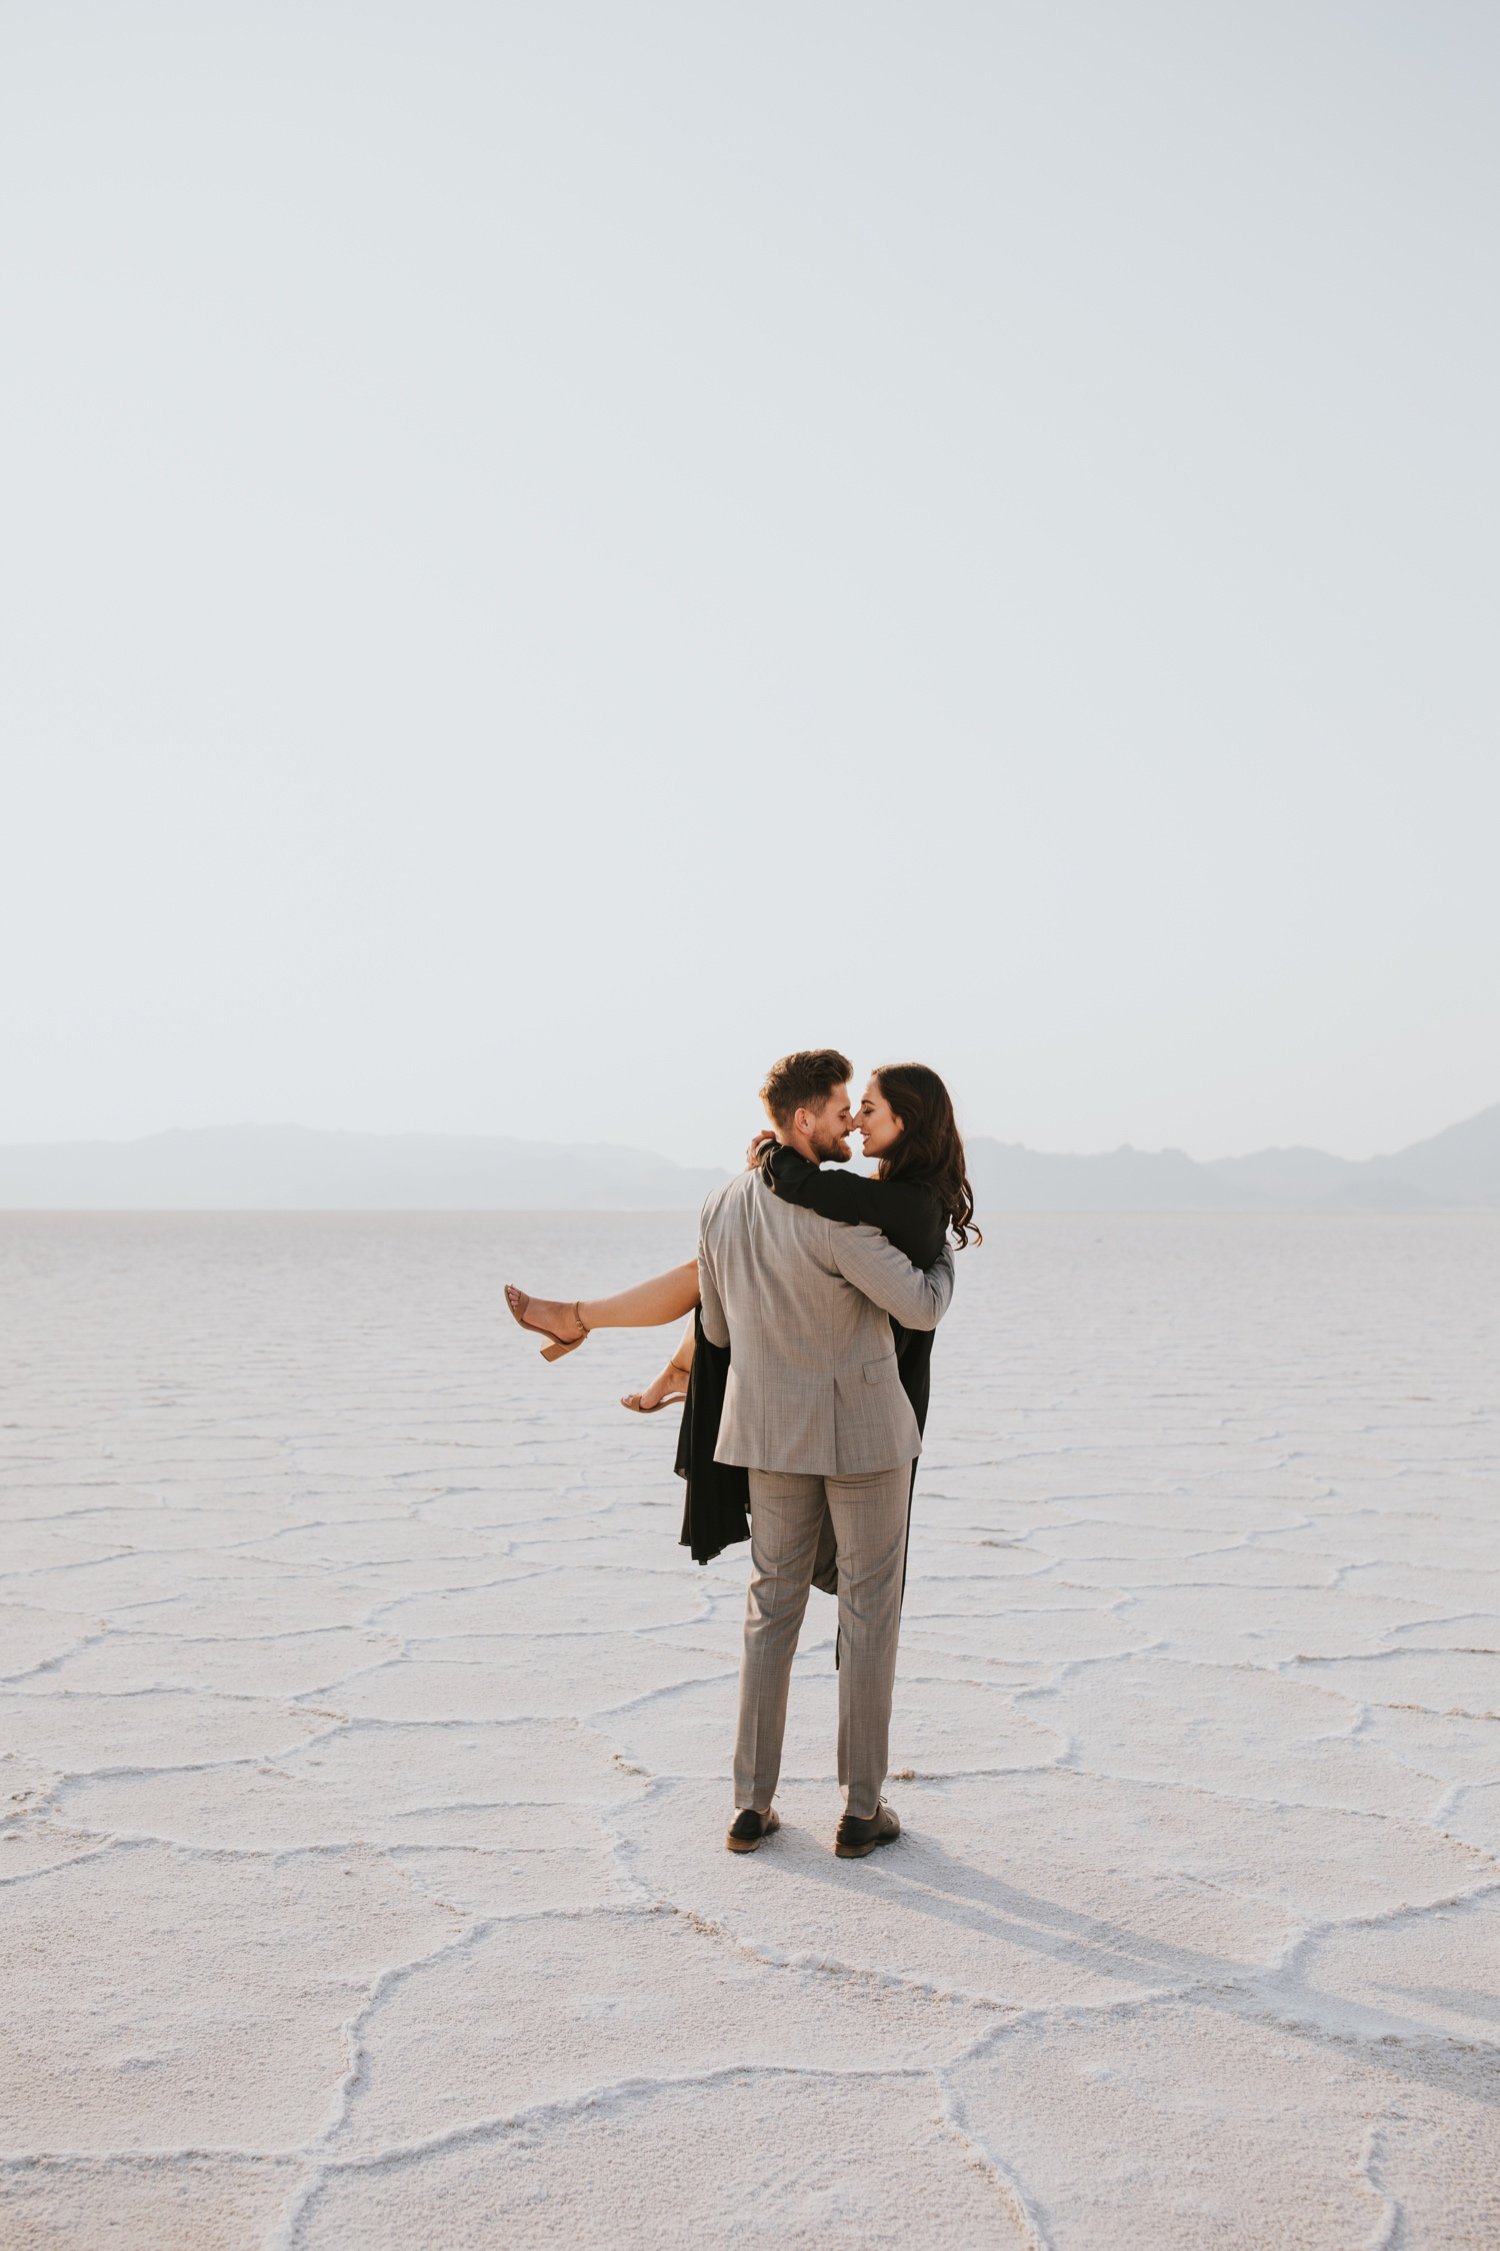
{"x":802,"y":1302}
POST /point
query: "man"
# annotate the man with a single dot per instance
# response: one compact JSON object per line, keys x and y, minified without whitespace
{"x":815,"y":1412}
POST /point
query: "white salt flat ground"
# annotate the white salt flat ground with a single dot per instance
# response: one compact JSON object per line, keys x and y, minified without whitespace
{"x":365,"y":1741}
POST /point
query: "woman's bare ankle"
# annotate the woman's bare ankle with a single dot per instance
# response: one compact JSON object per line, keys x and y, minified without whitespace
{"x":671,"y":1384}
{"x":671,"y":1379}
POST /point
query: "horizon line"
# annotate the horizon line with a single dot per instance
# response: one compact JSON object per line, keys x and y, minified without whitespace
{"x":449,"y":1133}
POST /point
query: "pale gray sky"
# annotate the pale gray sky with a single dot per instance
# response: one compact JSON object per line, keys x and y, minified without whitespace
{"x":553,"y":551}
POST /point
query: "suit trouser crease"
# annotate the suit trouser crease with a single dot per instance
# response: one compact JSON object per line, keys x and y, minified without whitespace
{"x":870,"y":1516}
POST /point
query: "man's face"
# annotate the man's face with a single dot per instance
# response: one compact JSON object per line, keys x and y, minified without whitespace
{"x":828,"y":1129}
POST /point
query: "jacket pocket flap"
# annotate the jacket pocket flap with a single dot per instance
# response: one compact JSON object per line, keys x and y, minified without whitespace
{"x":880,"y":1371}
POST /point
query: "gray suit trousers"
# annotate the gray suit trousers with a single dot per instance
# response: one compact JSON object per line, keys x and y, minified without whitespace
{"x":786,"y":1516}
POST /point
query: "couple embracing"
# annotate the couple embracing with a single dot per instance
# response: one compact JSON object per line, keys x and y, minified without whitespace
{"x":805,"y":1373}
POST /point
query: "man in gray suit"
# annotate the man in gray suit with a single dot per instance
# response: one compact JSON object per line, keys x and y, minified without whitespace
{"x":815,"y":1412}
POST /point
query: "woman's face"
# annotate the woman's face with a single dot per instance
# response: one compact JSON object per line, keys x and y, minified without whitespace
{"x":877,"y":1122}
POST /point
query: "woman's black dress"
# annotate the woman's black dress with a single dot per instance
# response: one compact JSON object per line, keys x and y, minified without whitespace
{"x":909,"y":1213}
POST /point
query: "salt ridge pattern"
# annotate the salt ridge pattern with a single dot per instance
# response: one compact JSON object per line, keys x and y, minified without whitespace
{"x":364,"y":1740}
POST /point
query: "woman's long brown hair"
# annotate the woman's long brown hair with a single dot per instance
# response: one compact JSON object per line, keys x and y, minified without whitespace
{"x":931,"y":1147}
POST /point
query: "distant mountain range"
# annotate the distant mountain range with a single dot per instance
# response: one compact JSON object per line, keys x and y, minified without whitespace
{"x":295,"y":1168}
{"x":1456,"y":1169}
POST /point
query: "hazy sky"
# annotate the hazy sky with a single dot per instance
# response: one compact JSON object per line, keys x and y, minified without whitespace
{"x":552,"y":552}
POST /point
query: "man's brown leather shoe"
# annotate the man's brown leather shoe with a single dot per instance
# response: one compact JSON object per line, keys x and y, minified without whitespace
{"x":854,"y":1838}
{"x":748,"y":1828}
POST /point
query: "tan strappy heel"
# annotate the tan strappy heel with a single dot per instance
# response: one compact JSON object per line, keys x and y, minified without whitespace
{"x":518,"y":1301}
{"x":632,"y":1399}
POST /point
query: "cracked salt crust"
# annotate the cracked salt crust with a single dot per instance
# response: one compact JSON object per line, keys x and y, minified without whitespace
{"x":845,"y":2158}
{"x":186,"y":2203}
{"x":292,"y":1664}
{"x":30,"y":1638}
{"x":200,"y":2001}
{"x":552,"y":2009}
{"x":504,"y":1685}
{"x":1407,"y":1975}
{"x":364,"y":1737}
{"x":530,"y":1599}
{"x":1464,"y":1681}
{"x":149,"y":1727}
{"x":1231,"y":1727}
{"x":1193,"y":2128}
{"x":1268,"y":1625}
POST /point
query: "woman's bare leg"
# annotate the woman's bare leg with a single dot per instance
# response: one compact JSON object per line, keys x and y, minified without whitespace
{"x":645,"y":1305}
{"x":672,"y":1383}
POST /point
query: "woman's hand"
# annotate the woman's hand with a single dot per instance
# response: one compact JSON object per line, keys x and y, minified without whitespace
{"x":752,"y":1154}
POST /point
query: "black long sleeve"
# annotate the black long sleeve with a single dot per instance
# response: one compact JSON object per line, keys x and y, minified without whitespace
{"x":907,"y":1212}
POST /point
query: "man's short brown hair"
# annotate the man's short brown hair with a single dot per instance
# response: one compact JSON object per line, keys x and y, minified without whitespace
{"x":804,"y":1081}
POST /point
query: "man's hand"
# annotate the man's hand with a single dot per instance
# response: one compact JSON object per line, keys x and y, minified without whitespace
{"x":752,"y":1154}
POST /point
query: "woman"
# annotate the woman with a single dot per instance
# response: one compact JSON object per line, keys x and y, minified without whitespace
{"x":920,"y":1192}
